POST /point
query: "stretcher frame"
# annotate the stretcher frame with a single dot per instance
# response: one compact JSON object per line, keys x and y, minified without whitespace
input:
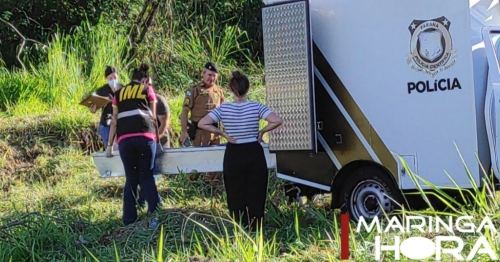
{"x":175,"y":161}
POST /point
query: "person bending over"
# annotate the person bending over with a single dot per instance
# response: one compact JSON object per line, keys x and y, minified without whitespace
{"x":134,"y":124}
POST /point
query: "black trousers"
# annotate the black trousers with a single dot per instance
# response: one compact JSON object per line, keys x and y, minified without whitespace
{"x":245,"y":178}
{"x":138,"y":156}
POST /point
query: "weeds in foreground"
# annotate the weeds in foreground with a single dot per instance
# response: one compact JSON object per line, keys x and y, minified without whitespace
{"x":75,"y":216}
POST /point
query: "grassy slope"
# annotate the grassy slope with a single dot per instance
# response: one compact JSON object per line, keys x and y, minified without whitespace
{"x":56,"y":208}
{"x":46,"y":170}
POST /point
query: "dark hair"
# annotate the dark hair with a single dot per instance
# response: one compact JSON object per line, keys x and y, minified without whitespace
{"x":109,"y":70}
{"x":140,"y":72}
{"x":239,"y":84}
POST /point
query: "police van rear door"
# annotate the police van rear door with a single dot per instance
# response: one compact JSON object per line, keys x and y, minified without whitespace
{"x":491,"y":37}
{"x":289,"y":74}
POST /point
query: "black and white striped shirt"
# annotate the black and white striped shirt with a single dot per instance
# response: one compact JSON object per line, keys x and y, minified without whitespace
{"x":241,"y":120}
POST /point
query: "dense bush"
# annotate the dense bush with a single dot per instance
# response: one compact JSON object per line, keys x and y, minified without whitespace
{"x":145,"y":20}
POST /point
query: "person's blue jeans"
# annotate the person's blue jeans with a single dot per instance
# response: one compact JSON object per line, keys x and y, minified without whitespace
{"x":138,"y":157}
{"x":104,"y":134}
{"x":141,"y":200}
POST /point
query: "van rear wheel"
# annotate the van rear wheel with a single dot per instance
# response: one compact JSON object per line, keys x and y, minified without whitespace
{"x":368,"y":192}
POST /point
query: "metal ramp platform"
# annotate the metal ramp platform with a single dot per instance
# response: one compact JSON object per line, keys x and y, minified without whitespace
{"x":175,"y":161}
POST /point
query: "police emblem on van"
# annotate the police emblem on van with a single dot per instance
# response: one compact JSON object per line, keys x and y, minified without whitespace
{"x":431,"y":46}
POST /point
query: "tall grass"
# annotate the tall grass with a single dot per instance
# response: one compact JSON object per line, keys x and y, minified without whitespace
{"x":58,"y":209}
{"x":181,"y":57}
{"x":74,"y":67}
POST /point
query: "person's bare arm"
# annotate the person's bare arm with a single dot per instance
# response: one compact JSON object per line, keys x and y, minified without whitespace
{"x":273,"y":121}
{"x":164,"y":124}
{"x":206,"y":123}
{"x":112,"y":128}
{"x":93,"y":108}
{"x":152,"y":107}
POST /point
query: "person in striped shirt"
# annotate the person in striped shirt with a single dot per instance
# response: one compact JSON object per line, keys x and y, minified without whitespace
{"x":245,"y":167}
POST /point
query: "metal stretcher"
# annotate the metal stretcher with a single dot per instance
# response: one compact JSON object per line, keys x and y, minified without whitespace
{"x":174,"y":161}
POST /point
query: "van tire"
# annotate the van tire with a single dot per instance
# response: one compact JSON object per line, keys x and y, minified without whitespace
{"x":364,"y":188}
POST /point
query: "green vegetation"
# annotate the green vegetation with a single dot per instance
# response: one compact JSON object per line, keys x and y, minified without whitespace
{"x":54,"y":205}
{"x":56,"y":208}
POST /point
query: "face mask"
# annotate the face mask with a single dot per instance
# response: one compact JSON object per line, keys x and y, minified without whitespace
{"x":112,"y":83}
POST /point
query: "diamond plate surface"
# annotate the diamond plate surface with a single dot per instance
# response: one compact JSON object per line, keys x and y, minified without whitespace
{"x":287,"y":74}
